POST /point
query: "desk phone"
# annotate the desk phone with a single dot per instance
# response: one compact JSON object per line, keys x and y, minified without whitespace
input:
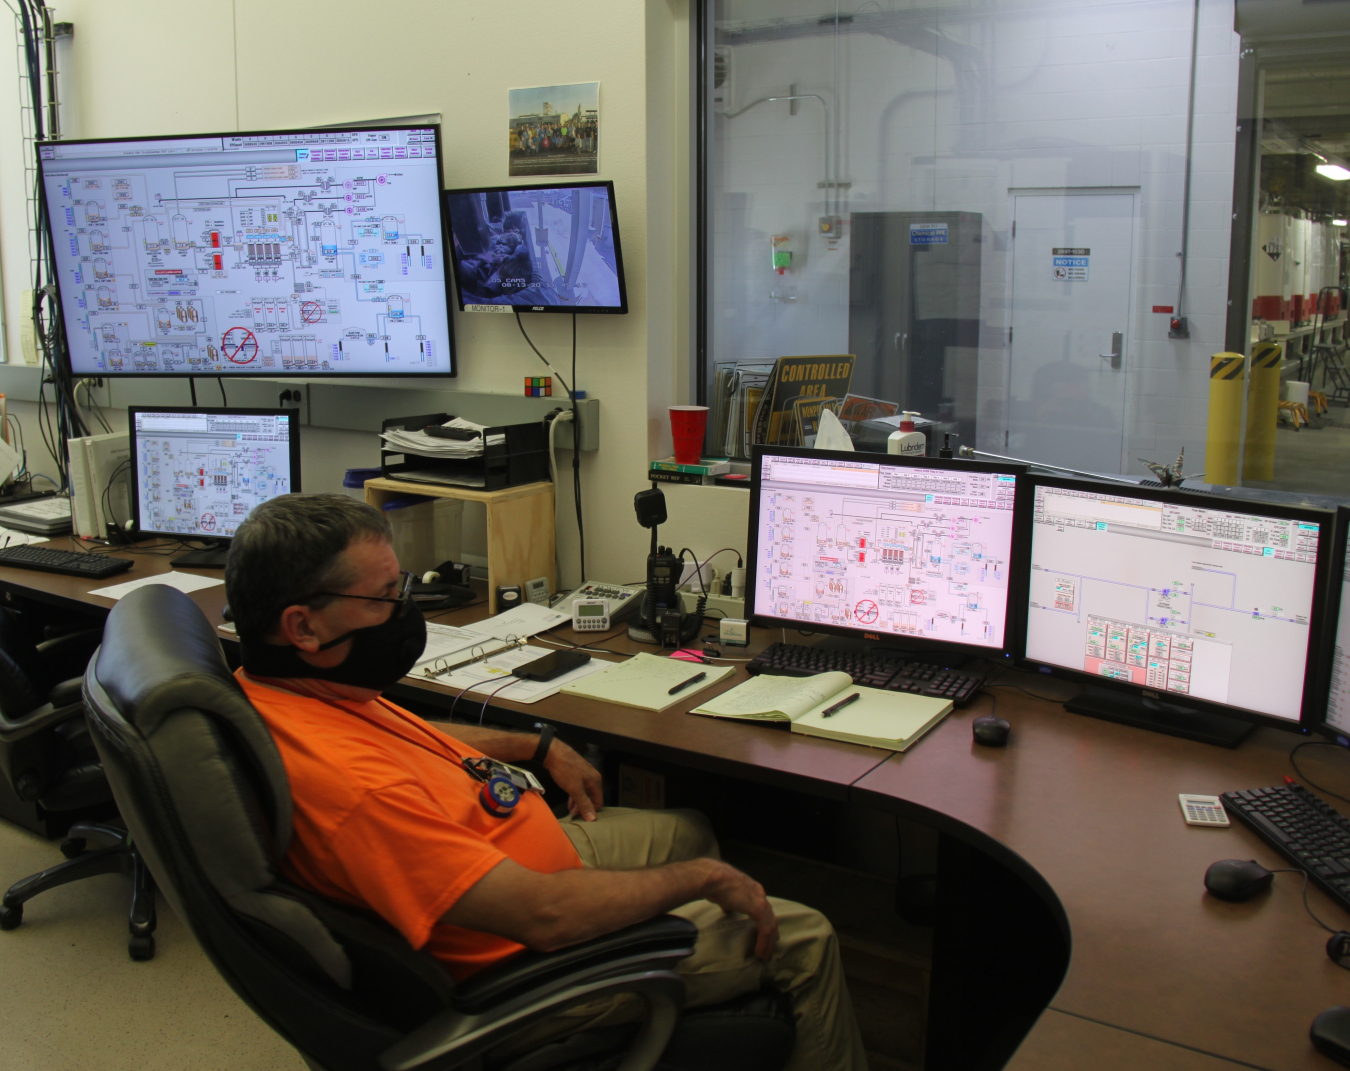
{"x":624,"y":599}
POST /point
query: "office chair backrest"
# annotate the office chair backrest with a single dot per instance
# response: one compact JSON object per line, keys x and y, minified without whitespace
{"x":203,"y":790}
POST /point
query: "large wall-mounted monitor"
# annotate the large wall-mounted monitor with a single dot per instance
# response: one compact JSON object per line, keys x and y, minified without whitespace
{"x":538,"y":248}
{"x":908,"y":552}
{"x":197,"y":473}
{"x":314,"y":253}
{"x":1195,"y":604}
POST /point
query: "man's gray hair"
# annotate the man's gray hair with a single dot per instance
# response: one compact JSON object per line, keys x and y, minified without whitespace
{"x":289,"y":548}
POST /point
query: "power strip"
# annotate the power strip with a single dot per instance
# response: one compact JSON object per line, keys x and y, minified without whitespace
{"x":724,"y":604}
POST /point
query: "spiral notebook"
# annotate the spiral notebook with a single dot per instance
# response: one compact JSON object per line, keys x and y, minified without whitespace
{"x":877,"y":718}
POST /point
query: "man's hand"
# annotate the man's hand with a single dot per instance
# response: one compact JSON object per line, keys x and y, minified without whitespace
{"x":577,"y":777}
{"x":733,"y":892}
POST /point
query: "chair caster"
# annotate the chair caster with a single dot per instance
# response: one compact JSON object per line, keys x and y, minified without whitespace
{"x":73,"y":846}
{"x":141,"y":948}
{"x":10,"y":917}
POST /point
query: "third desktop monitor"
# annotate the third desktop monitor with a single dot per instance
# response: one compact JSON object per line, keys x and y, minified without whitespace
{"x":1185,"y":602}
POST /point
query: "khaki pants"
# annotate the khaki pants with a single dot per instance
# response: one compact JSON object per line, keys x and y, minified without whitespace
{"x":805,"y":964}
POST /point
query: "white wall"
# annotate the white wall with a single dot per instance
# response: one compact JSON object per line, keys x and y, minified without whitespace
{"x":144,"y":67}
{"x":1061,"y":93}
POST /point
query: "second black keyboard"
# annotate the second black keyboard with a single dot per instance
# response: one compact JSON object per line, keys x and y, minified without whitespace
{"x":1308,"y":832}
{"x":875,"y":670}
{"x":69,"y":562}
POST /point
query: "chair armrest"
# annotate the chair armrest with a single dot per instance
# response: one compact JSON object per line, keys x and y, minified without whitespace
{"x":67,"y":693}
{"x":665,"y":938}
{"x":68,"y":656}
{"x":43,"y":717}
{"x":452,"y":1039}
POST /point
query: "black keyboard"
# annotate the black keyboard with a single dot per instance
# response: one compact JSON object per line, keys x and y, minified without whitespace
{"x":875,"y":670}
{"x":70,"y":562}
{"x":1297,"y":824}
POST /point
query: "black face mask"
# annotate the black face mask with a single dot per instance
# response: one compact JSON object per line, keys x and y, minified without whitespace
{"x":379,"y":656}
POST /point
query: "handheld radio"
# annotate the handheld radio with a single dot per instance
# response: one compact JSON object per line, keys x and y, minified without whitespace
{"x":662,"y":620}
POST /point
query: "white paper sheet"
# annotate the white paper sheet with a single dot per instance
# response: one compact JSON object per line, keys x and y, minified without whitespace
{"x":12,"y":537}
{"x":491,"y":674}
{"x":523,"y":620}
{"x":185,"y":582}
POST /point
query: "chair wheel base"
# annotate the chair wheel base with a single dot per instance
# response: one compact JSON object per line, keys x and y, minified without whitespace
{"x":10,"y":917}
{"x":141,"y":948}
{"x":73,"y":846}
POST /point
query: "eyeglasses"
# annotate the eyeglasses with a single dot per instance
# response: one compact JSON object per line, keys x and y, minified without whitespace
{"x":404,"y":590}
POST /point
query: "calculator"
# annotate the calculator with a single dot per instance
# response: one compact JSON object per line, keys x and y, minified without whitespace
{"x":1202,"y":810}
{"x":590,"y":615}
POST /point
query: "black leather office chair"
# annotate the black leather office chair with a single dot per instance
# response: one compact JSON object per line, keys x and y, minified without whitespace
{"x":48,"y":759}
{"x":203,"y":790}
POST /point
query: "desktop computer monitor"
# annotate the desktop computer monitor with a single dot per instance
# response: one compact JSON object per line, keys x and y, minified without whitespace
{"x":197,"y":473}
{"x":312,"y":252}
{"x":1335,"y":693}
{"x":1199,"y":613}
{"x":909,"y":552}
{"x":537,"y":248}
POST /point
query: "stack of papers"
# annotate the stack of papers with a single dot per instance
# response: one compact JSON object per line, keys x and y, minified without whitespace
{"x":12,"y":537}
{"x":419,"y":442}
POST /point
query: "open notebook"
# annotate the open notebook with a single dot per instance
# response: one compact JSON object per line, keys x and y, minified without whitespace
{"x":877,"y":718}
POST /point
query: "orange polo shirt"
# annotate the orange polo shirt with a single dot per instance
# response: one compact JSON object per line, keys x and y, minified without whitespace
{"x":386,"y":818}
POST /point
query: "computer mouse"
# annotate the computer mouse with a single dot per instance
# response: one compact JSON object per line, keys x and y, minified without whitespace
{"x":990,"y":731}
{"x":1237,"y":879}
{"x":1330,"y":1034}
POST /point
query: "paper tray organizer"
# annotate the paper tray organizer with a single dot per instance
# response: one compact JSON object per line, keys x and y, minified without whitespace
{"x":522,"y":457}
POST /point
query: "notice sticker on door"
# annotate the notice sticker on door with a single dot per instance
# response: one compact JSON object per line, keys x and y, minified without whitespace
{"x":928,"y":234}
{"x":1070,"y":264}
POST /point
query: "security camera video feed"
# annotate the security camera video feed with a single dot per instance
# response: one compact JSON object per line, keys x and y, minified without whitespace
{"x":550,"y":246}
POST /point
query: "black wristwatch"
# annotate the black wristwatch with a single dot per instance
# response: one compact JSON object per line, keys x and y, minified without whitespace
{"x":546,"y":732}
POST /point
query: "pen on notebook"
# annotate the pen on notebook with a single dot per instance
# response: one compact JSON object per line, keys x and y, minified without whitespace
{"x":685,"y":684}
{"x":830,"y":712}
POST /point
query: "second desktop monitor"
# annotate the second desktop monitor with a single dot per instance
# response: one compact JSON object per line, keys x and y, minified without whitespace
{"x":198,"y":473}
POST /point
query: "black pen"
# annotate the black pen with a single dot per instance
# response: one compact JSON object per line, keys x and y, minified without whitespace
{"x":685,"y":684}
{"x":830,"y":712}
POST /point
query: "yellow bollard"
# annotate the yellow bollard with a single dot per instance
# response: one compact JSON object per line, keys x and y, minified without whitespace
{"x":1225,"y":417}
{"x":1263,"y":404}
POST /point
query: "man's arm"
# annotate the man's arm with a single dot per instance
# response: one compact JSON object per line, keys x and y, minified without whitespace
{"x":573,"y":774}
{"x":546,"y":912}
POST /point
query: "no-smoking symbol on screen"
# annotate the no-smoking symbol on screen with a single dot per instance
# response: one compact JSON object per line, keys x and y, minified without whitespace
{"x":865,"y":611}
{"x":239,"y":345}
{"x":208,"y":522}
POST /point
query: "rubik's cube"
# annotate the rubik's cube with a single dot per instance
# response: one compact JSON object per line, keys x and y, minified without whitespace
{"x":539,"y":386}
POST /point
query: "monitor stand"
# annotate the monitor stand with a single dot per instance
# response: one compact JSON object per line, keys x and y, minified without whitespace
{"x":1161,"y":717}
{"x":209,"y":557}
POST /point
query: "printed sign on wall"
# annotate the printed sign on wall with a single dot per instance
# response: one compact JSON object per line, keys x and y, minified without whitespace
{"x":1070,"y":264}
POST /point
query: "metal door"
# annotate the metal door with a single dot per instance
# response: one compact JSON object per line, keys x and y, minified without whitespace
{"x":1072,"y":272}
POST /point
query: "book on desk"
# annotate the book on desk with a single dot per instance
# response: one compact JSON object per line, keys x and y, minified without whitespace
{"x":822,"y":706}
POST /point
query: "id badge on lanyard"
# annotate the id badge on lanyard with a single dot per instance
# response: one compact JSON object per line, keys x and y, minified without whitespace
{"x":502,"y":786}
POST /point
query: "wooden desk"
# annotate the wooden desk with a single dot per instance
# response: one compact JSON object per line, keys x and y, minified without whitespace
{"x":1086,"y":811}
{"x":1082,"y":812}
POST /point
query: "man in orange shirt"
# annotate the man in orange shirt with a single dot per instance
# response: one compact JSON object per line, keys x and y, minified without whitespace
{"x":391,"y":813}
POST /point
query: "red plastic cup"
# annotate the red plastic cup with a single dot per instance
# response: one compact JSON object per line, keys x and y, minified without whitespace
{"x":688,"y":425}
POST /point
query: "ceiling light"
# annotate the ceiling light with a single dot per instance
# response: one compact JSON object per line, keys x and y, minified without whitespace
{"x":1338,"y":223}
{"x":1333,"y":171}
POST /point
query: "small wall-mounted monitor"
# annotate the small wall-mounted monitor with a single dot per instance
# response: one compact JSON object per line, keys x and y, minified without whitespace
{"x":197,"y":473}
{"x":310,"y":252}
{"x":537,"y":248}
